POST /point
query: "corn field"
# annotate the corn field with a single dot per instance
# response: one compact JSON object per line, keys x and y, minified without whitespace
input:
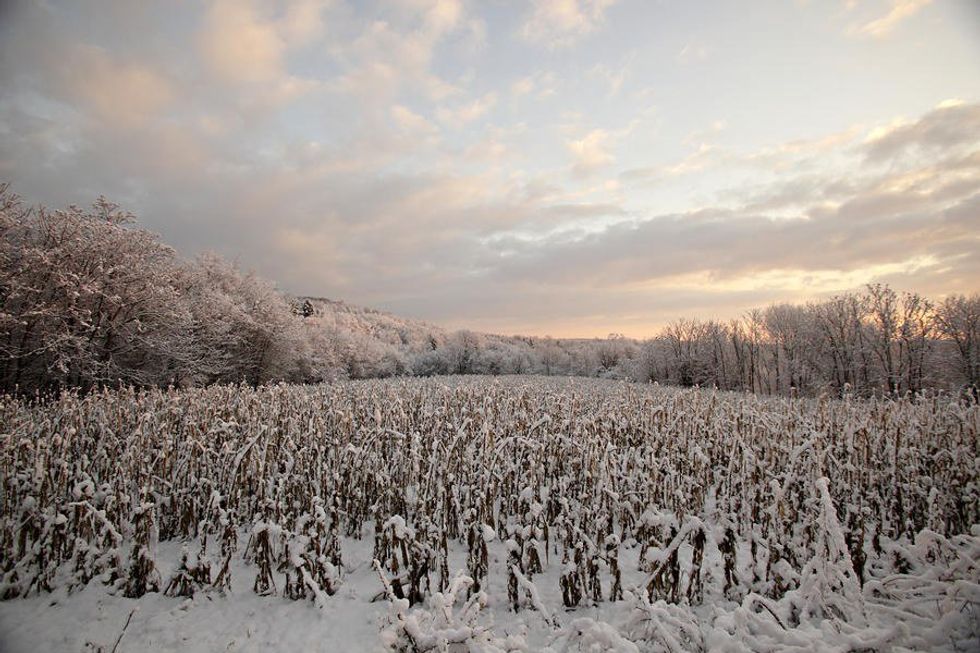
{"x":511,"y":513}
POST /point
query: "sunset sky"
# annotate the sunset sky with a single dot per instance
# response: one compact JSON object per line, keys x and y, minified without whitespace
{"x":563,"y":167}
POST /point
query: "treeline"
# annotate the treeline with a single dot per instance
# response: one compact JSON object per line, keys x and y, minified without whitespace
{"x":88,"y":299}
{"x":872,"y":342}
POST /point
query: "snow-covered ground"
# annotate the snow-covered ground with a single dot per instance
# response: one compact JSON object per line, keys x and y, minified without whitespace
{"x":93,"y":619}
{"x":240,"y":620}
{"x":595,"y":516}
{"x":357,"y":616}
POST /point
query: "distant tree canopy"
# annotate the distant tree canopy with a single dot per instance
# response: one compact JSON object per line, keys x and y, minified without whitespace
{"x":88,"y":299}
{"x":875,"y":341}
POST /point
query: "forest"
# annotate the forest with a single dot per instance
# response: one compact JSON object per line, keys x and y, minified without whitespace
{"x":89,"y":299}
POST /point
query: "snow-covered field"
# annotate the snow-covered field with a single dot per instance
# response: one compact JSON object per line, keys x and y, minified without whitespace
{"x":487,"y":514}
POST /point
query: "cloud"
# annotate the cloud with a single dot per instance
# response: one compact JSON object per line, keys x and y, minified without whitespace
{"x":794,"y":153}
{"x":125,"y":94}
{"x":540,"y":84}
{"x":441,"y":16}
{"x":367,"y":155}
{"x":950,"y":125}
{"x":522,"y":86}
{"x":703,"y":157}
{"x":950,"y":128}
{"x":239,"y":46}
{"x":496,"y":146}
{"x":245,"y":50}
{"x":385,"y":58}
{"x":463,"y":114}
{"x":590,"y":153}
{"x":693,"y":53}
{"x":868,"y":230}
{"x":560,"y":23}
{"x":303,"y":21}
{"x":900,"y":11}
{"x":912,"y":222}
{"x":614,"y":78}
{"x":409,"y":121}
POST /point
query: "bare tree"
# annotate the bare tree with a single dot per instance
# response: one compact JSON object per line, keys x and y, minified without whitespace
{"x":840,"y":327}
{"x":883,"y":314}
{"x":915,"y":336}
{"x":788,"y":328}
{"x":958,"y":319}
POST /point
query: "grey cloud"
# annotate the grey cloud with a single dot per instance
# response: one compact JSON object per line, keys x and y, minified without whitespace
{"x":940,"y":129}
{"x":869,"y":227}
{"x":584,"y":210}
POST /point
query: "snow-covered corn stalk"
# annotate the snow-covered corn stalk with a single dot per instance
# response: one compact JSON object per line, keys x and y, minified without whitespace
{"x":789,"y":510}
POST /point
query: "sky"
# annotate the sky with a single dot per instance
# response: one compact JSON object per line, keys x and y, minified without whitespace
{"x":552,"y":167}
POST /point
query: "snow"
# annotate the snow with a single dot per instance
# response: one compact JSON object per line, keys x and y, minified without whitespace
{"x":561,"y":513}
{"x":352,"y":620}
{"x":93,"y":619}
